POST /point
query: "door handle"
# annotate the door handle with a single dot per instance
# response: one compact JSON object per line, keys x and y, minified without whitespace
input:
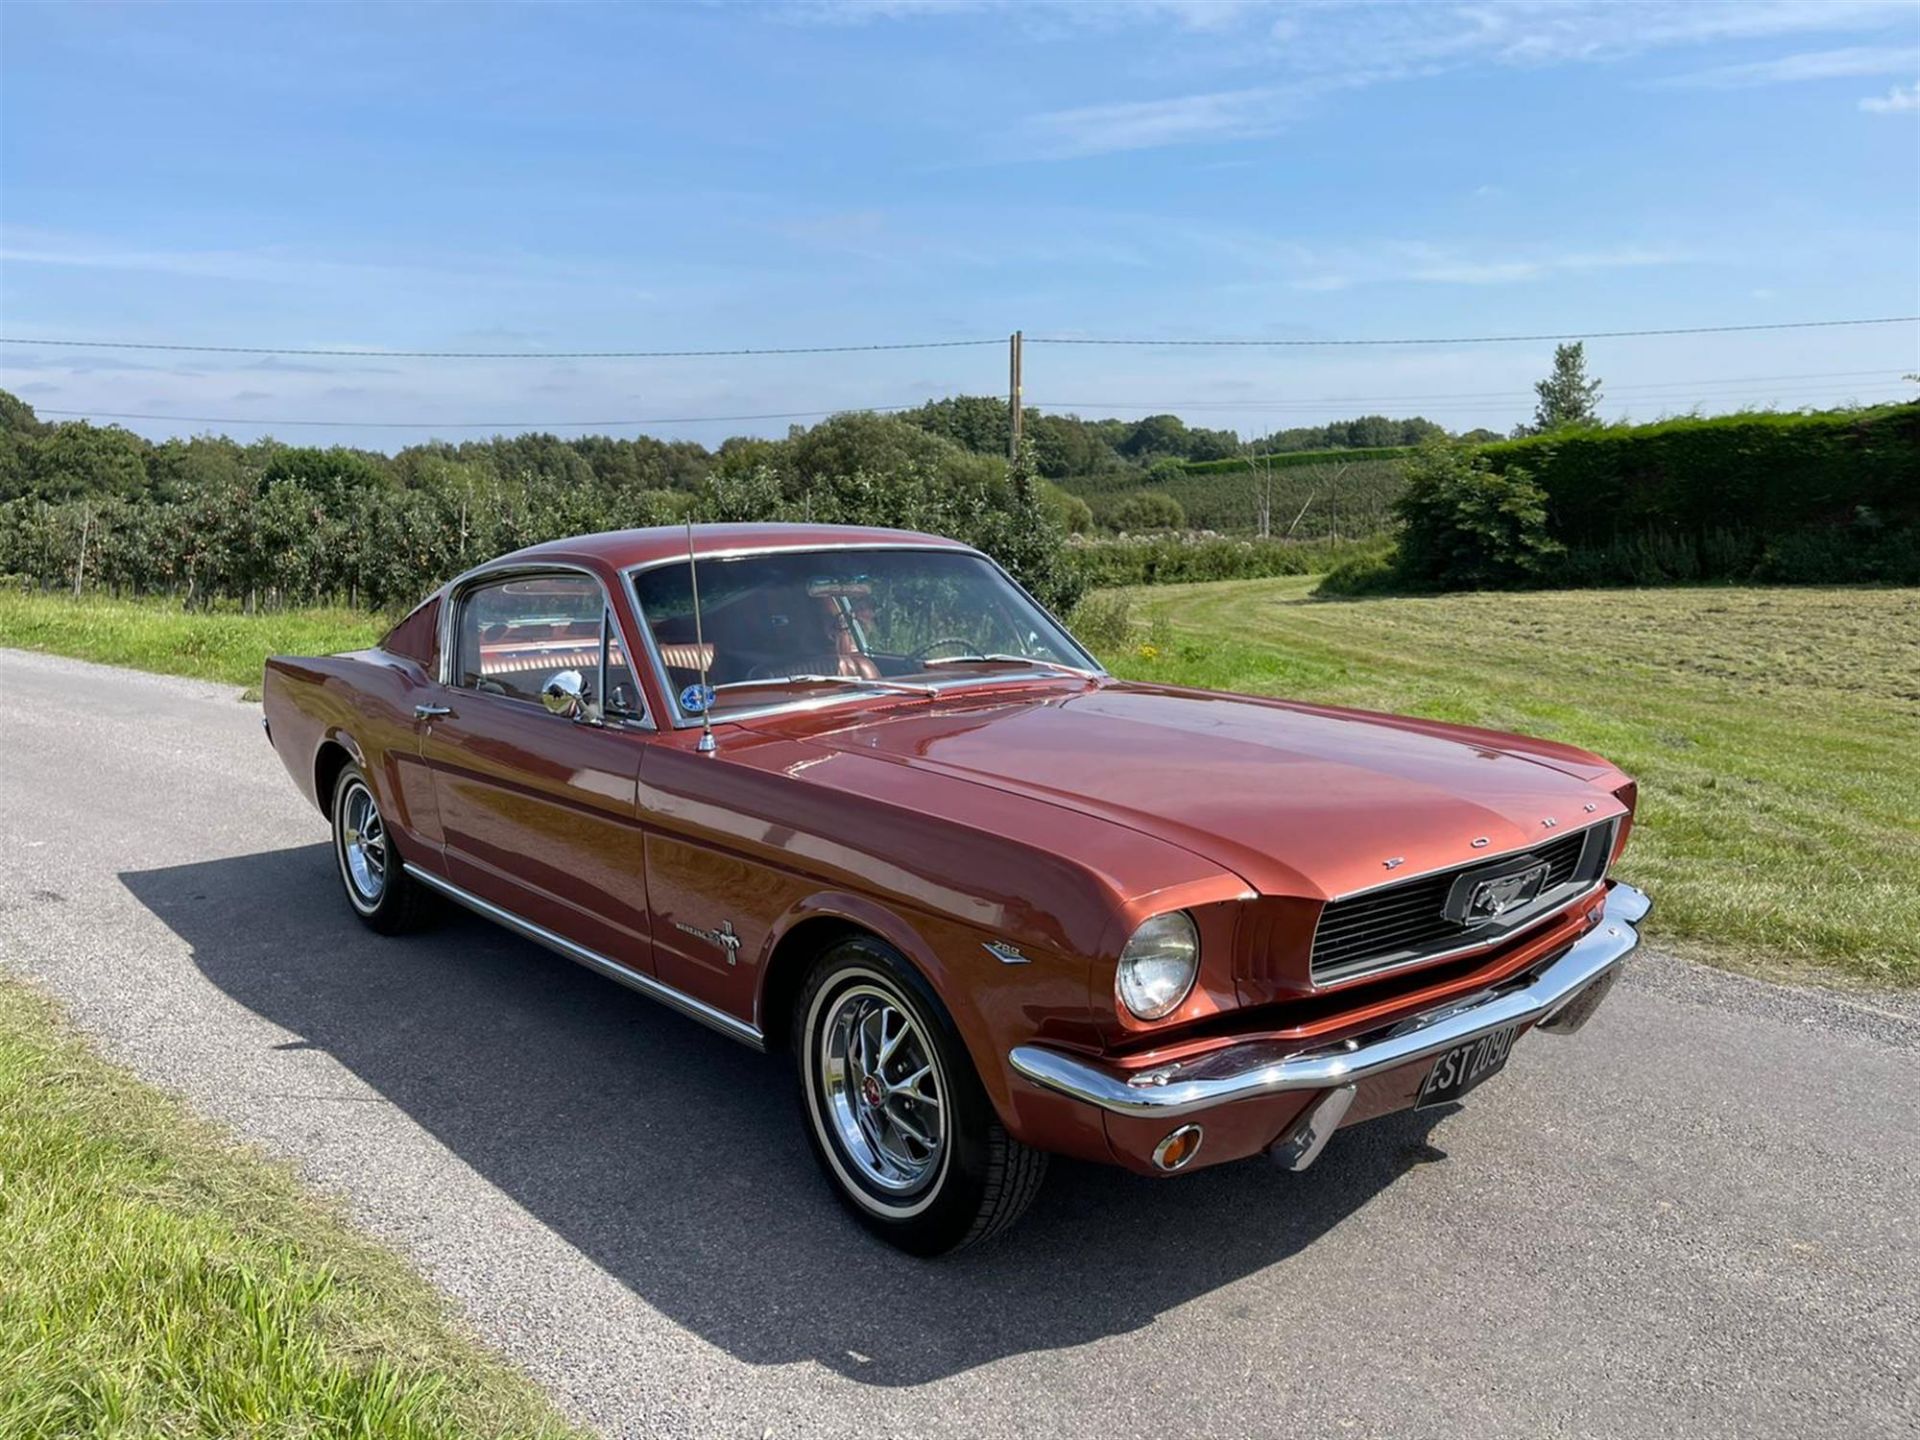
{"x":428,"y":712}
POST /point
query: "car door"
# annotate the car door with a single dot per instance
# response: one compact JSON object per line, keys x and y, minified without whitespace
{"x":538,"y":809}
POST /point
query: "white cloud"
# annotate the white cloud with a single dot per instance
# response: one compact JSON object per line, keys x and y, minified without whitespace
{"x":1147,"y":124}
{"x":1268,"y":261}
{"x":1793,"y":69}
{"x":1894,"y":102}
{"x":1042,"y":17}
{"x":1455,"y":270}
{"x":1311,"y":51}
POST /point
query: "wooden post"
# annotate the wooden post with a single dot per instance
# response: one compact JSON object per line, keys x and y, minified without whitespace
{"x":1015,"y":404}
{"x":80,"y":565}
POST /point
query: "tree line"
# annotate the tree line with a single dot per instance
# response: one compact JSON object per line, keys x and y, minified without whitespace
{"x":266,"y":523}
{"x":71,"y":460}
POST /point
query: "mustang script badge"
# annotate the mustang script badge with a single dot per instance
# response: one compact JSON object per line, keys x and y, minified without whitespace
{"x":723,"y":937}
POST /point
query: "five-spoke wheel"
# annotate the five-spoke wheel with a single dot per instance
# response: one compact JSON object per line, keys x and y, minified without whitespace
{"x":363,"y":846}
{"x":377,"y":887}
{"x":883,"y":1089}
{"x":895,"y":1110}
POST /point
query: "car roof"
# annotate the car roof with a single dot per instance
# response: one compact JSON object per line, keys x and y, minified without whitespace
{"x":624,"y":548}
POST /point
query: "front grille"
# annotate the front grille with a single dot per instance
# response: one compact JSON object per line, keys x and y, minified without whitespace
{"x":1398,"y":924}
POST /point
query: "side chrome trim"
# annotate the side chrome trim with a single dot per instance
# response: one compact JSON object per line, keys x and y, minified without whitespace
{"x":1257,"y":1068}
{"x":653,"y":989}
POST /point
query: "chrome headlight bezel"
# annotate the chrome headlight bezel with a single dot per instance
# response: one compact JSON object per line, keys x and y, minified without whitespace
{"x":1158,"y":966}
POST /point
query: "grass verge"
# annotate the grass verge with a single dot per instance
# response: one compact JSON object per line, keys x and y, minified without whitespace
{"x":224,"y":645}
{"x":1773,"y":731}
{"x":158,"y":1280}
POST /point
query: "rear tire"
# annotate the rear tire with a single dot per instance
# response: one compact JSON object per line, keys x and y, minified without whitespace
{"x":895,"y":1111}
{"x":382,"y":894}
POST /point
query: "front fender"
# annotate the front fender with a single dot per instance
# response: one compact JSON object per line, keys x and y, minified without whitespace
{"x":990,"y":999}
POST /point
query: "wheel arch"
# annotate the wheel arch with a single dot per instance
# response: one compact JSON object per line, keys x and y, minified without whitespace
{"x":334,"y":754}
{"x":805,"y":932}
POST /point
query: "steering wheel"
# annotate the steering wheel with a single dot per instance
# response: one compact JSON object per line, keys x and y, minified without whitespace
{"x":965,"y":644}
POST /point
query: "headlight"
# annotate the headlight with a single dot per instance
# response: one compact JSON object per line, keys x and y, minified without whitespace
{"x":1158,"y":965}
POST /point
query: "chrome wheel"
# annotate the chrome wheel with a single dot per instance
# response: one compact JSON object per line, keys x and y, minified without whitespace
{"x":363,"y":846}
{"x":885,"y":1096}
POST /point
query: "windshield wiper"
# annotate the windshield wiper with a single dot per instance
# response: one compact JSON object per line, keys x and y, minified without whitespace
{"x":1002,"y":659}
{"x":904,"y":687}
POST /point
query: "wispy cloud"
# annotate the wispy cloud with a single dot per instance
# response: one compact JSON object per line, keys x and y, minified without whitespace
{"x":1288,"y":264}
{"x":1896,"y":101}
{"x":1797,"y":69}
{"x":292,"y":267}
{"x":1036,"y":16}
{"x":1456,"y":270}
{"x":1311,"y":51}
{"x":1179,"y":120}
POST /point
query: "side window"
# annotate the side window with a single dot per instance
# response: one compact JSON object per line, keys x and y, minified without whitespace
{"x":622,"y":688}
{"x":514,"y":634}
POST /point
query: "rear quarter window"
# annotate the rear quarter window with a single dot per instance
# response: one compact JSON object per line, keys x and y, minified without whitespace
{"x":417,"y":637}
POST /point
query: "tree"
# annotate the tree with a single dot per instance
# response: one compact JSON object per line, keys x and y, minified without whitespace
{"x":1154,"y":436}
{"x":1148,"y":510}
{"x":1468,"y":528}
{"x":78,"y":460}
{"x":1567,"y":396}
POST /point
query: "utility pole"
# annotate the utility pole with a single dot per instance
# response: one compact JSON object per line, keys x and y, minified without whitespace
{"x":1014,"y":402}
{"x":80,"y":565}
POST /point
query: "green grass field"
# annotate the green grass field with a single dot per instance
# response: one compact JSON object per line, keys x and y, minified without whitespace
{"x":224,"y":645}
{"x":157,"y":1280}
{"x":1775,"y":732}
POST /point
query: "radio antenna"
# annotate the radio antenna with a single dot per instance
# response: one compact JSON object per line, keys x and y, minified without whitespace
{"x":705,"y":747}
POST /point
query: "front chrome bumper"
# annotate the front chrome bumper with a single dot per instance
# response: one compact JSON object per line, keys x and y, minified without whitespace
{"x":1560,"y":997}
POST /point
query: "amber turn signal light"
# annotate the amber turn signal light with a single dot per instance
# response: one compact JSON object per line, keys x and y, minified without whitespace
{"x":1178,"y":1148}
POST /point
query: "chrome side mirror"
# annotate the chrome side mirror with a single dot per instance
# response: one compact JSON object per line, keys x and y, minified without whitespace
{"x":565,"y":693}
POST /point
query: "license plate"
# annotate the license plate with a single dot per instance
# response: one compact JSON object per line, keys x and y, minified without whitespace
{"x":1465,"y":1066}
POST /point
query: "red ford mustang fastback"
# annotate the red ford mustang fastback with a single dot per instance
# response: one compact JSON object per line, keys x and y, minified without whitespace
{"x":854,"y":794}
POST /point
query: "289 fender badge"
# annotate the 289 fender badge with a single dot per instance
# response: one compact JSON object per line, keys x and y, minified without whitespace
{"x":696,"y":698}
{"x":1003,"y":952}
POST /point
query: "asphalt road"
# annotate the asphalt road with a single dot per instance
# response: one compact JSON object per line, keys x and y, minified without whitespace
{"x":1697,"y":1217}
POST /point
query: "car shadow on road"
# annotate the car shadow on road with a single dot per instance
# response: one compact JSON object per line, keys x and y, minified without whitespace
{"x":674,"y":1159}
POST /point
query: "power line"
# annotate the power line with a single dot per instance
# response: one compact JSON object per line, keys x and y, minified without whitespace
{"x":322,"y":352}
{"x":480,"y":424}
{"x":1304,"y":401}
{"x":1305,"y":413}
{"x":1256,"y":406}
{"x":1490,"y":339}
{"x":490,"y":354}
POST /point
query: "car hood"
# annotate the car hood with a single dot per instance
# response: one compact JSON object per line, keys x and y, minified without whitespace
{"x":1295,"y":799}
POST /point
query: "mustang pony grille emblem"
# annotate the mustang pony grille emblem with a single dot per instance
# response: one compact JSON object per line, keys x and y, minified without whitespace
{"x":1482,"y":896}
{"x":723,"y":937}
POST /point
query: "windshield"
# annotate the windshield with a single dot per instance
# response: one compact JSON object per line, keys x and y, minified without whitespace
{"x":796,"y":623}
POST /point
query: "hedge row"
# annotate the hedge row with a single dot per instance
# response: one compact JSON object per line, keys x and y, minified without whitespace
{"x":1766,"y":473}
{"x":1173,"y":559}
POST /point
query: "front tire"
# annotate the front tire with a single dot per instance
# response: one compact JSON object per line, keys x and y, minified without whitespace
{"x":378,"y":888}
{"x":894,"y":1110}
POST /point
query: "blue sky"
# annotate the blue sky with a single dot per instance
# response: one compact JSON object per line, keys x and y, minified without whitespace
{"x":666,"y":177}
